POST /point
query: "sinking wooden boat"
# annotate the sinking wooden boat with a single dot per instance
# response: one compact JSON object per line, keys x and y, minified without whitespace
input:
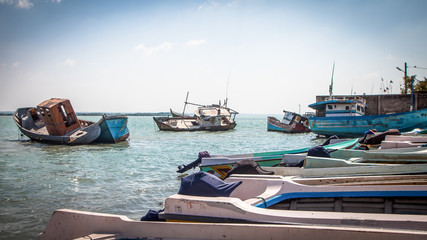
{"x":113,"y":129}
{"x":291,"y":123}
{"x":346,"y":118}
{"x":220,"y":165}
{"x":55,"y":121}
{"x":379,"y":202}
{"x":66,"y":224}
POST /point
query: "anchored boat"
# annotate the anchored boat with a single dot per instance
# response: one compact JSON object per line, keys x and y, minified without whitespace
{"x":346,"y":118}
{"x":220,"y":165}
{"x":377,"y":202}
{"x":215,"y":117}
{"x":71,"y":224}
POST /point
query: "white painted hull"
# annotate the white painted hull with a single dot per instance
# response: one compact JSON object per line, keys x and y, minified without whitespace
{"x":248,"y":202}
{"x":70,"y":224}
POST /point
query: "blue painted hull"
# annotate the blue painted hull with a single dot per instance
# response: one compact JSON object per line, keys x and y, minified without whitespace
{"x":113,"y":129}
{"x":355,"y":126}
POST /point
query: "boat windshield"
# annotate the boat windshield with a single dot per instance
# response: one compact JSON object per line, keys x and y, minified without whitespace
{"x":287,"y":118}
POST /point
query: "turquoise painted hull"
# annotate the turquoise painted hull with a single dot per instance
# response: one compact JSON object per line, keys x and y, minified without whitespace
{"x":113,"y":129}
{"x":271,"y":127}
{"x":356,"y":126}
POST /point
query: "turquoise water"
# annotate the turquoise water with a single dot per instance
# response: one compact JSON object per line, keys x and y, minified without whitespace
{"x":127,"y":178}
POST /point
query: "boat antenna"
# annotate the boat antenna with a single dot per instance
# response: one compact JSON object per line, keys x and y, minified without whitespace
{"x":185,"y":104}
{"x":332,"y":82}
{"x":226,"y":90}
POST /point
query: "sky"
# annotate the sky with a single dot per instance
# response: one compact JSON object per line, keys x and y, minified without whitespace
{"x":265,"y":56}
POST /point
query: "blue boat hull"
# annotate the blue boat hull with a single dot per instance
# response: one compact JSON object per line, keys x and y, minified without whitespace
{"x":271,"y":127}
{"x":355,"y":126}
{"x":113,"y":129}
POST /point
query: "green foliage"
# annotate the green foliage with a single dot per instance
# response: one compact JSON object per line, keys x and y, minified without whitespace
{"x":419,"y":85}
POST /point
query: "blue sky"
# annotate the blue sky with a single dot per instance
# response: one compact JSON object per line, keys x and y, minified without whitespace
{"x":143,"y":56}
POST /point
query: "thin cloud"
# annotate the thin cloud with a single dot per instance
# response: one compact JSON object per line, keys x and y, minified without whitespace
{"x":164,"y":47}
{"x":15,"y":64}
{"x":209,"y":5}
{"x":25,"y":4}
{"x":192,"y":43}
{"x":6,"y":1}
{"x":69,"y":62}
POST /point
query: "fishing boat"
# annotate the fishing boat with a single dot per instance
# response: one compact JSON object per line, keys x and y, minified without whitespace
{"x":291,"y":123}
{"x":345,"y":118}
{"x":72,"y":224}
{"x":379,"y":202}
{"x":215,"y":117}
{"x":220,"y":165}
{"x":55,"y":121}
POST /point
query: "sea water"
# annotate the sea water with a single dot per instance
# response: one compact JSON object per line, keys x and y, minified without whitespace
{"x":126,"y":178}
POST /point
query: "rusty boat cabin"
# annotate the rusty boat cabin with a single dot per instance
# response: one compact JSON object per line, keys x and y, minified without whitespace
{"x":58,"y":116}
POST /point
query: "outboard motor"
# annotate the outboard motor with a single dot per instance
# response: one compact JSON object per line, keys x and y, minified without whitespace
{"x":183,"y":168}
{"x":318,"y":151}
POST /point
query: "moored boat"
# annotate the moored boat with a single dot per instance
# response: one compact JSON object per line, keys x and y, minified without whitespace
{"x":71,"y":224}
{"x":353,"y":126}
{"x":385,"y":202}
{"x":220,"y":165}
{"x":403,"y":141}
{"x":345,"y":117}
{"x":339,"y":167}
{"x":215,"y":117}
{"x":291,"y":123}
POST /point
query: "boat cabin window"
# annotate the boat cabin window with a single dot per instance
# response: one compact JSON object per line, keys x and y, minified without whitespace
{"x":287,"y":118}
{"x":358,"y":108}
{"x":68,"y":119}
{"x":347,"y":107}
{"x":45,"y":111}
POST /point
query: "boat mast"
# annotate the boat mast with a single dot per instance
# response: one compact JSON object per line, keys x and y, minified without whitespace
{"x":332,"y":82}
{"x":185,"y":104}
